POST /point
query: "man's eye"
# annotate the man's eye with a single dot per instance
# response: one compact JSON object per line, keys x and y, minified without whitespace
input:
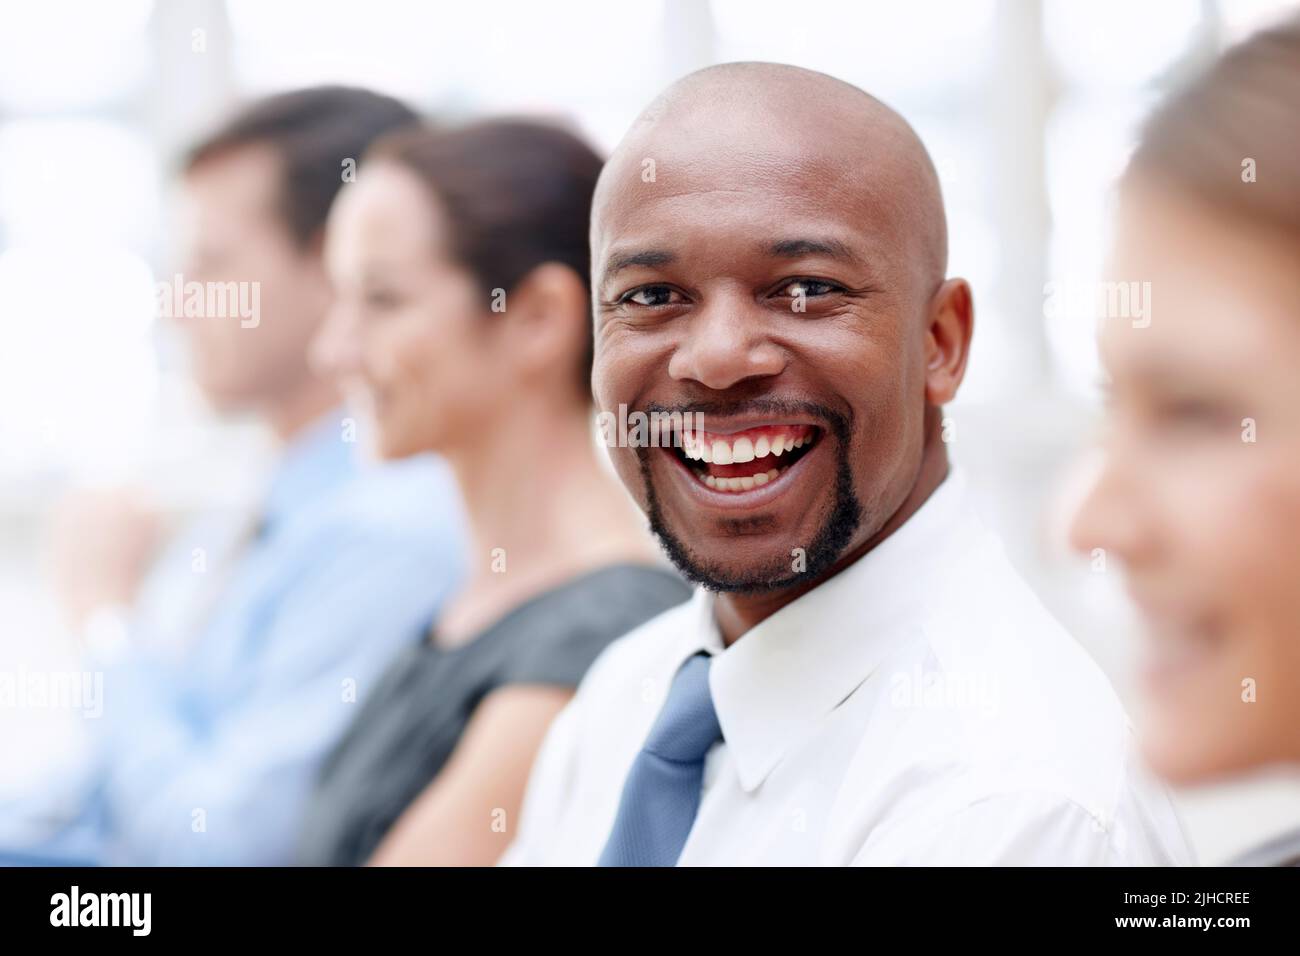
{"x":809,"y":288}
{"x":650,"y":295}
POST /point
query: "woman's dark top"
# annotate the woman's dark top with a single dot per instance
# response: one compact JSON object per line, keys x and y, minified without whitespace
{"x":414,"y":717}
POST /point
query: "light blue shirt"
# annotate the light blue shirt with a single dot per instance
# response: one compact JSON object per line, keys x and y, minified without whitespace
{"x":208,"y":755}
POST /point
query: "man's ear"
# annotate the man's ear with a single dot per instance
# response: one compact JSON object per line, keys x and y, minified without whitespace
{"x":947,"y":341}
{"x":547,"y":317}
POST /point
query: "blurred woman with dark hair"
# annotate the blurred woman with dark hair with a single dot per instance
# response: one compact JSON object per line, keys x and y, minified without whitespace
{"x":462,"y":326}
{"x":1199,"y":495}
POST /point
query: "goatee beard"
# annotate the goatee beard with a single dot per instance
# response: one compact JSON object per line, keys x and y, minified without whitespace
{"x":819,"y":556}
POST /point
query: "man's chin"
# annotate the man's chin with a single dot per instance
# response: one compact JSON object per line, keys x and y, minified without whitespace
{"x":761,"y":557}
{"x":787,"y":531}
{"x":757,"y":570}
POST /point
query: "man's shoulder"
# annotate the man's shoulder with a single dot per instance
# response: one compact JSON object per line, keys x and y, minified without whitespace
{"x":1001,"y":703}
{"x":639,"y":655}
{"x":650,"y":643}
{"x":1037,"y":675}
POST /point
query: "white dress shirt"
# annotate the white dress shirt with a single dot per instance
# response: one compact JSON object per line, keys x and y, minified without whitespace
{"x":920,"y":707}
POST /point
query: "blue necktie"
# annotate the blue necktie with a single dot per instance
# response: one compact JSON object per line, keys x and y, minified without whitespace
{"x":662,"y":792}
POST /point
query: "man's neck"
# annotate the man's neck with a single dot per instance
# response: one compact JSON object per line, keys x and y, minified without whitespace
{"x":736,"y":613}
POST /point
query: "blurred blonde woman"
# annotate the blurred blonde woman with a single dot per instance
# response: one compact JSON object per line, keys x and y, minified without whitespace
{"x":1199,"y":496}
{"x":463,"y":326}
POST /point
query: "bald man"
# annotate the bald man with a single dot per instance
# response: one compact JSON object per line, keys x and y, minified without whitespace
{"x":861,"y":678}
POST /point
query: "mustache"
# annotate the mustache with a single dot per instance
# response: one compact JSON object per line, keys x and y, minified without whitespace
{"x":839,"y":422}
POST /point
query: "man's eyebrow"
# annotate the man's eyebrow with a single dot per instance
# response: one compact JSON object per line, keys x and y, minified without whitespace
{"x":642,"y":257}
{"x":792,"y":248}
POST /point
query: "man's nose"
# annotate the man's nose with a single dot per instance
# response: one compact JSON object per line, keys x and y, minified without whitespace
{"x":724,"y":344}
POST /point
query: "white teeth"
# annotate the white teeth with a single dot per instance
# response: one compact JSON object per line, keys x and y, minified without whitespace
{"x":723,"y":452}
{"x":739,"y":451}
{"x":748,"y":483}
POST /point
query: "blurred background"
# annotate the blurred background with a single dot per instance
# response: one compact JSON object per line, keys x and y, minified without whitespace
{"x":1028,"y":108}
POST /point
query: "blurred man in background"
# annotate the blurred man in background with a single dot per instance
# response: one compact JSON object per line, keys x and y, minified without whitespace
{"x":233,"y":661}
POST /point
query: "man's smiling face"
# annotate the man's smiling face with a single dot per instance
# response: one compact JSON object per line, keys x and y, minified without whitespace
{"x":767,"y":269}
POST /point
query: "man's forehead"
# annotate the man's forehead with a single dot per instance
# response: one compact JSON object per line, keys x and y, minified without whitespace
{"x":734,"y":151}
{"x":756,"y":196}
{"x":768,"y":142}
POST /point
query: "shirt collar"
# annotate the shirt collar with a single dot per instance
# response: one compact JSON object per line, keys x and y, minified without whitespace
{"x":314,"y":462}
{"x":774,"y":683}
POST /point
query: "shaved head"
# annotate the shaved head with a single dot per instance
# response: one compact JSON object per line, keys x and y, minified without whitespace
{"x":766,"y":114}
{"x":769,"y":252}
